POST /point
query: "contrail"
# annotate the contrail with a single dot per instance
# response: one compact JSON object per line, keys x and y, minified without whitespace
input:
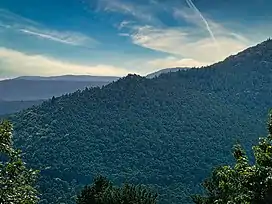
{"x":192,"y":6}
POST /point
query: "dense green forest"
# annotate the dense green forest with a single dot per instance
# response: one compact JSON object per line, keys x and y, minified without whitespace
{"x":168,"y":132}
{"x":239,"y":183}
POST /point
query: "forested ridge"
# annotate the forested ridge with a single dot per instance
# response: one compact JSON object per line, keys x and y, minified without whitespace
{"x":168,"y":132}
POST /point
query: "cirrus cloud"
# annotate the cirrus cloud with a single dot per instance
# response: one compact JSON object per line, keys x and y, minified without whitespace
{"x":171,"y":61}
{"x":13,"y":22}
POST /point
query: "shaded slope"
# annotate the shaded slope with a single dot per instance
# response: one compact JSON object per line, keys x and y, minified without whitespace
{"x":168,"y":131}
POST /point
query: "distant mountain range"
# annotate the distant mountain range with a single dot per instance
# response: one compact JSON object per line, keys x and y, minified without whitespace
{"x":31,"y":88}
{"x":167,"y":70}
{"x":25,"y":91}
{"x":80,"y":78}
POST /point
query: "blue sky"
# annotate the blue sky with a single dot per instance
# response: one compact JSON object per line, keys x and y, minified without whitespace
{"x":117,"y":37}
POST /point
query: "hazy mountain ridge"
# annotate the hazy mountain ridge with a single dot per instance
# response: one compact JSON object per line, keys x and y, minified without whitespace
{"x":24,"y":92}
{"x":168,"y":131}
{"x":16,"y":95}
{"x":166,"y":70}
{"x":29,"y":88}
{"x":82,"y":78}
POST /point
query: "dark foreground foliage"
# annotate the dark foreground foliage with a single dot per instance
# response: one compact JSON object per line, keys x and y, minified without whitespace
{"x":16,"y":180}
{"x":243,"y":183}
{"x":103,"y":192}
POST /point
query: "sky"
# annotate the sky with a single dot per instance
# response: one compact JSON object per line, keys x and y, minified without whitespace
{"x":118,"y":37}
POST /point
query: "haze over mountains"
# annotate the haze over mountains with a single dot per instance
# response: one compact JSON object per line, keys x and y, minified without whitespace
{"x":82,"y":78}
{"x":25,"y":91}
{"x":168,"y":131}
{"x":40,"y":88}
{"x":166,"y":70}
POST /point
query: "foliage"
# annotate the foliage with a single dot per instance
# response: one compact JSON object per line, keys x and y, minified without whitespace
{"x":16,"y":181}
{"x":168,"y":132}
{"x":103,"y":192}
{"x":243,"y":183}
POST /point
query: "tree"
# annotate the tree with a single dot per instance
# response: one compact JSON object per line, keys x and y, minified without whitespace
{"x":103,"y":192}
{"x":16,"y":180}
{"x":243,"y":183}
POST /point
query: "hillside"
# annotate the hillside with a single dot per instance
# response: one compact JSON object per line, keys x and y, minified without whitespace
{"x":169,"y":131}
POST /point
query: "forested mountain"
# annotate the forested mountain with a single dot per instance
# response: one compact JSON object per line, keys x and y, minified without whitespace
{"x":169,"y":131}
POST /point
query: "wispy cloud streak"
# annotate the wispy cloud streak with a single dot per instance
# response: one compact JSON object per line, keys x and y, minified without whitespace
{"x":192,"y":6}
{"x":143,"y":13}
{"x":13,"y":22}
{"x":70,"y":38}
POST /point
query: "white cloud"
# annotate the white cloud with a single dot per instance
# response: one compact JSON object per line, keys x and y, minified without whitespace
{"x":202,"y":40}
{"x":190,"y":42}
{"x":11,"y":21}
{"x":123,"y":24}
{"x":193,"y":18}
{"x":14,"y":63}
{"x":185,"y":43}
{"x":71,"y":38}
{"x":139,"y":12}
{"x":170,"y":62}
